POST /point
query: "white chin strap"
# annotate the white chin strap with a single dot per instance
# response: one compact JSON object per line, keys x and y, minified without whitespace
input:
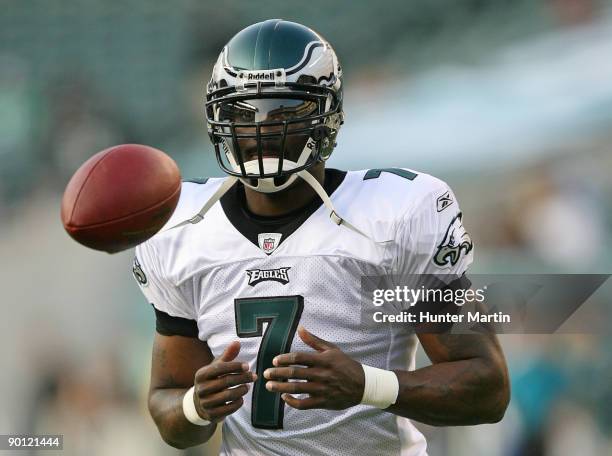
{"x":316,"y":186}
{"x":333,"y":215}
{"x":222,"y":190}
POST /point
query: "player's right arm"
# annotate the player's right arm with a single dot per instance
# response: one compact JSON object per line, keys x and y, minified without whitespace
{"x":178,"y":363}
{"x":181,"y":360}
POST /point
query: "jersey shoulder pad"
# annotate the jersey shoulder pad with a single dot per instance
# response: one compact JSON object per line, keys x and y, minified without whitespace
{"x":194,"y":194}
{"x":397,"y":191}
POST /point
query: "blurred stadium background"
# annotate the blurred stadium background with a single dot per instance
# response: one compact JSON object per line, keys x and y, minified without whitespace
{"x":508,"y":101}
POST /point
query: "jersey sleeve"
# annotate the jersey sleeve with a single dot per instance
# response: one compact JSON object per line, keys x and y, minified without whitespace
{"x":432,"y":239}
{"x":174,"y":315}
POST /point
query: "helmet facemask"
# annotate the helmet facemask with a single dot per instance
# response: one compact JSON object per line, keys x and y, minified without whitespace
{"x":265,"y":132}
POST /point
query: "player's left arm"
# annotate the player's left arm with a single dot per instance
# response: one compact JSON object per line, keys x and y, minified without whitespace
{"x":467,"y":382}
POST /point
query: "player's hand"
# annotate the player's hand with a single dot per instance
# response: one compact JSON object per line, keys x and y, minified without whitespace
{"x":220,"y":385}
{"x":334,"y":380}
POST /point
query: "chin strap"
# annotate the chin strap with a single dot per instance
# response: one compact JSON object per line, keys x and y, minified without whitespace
{"x":225,"y":186}
{"x":333,"y":215}
{"x":316,"y":186}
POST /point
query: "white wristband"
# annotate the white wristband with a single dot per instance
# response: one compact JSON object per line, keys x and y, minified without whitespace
{"x":190,"y":411}
{"x":381,"y":387}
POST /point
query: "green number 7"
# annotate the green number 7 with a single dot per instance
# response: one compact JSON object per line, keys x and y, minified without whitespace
{"x":282,"y":313}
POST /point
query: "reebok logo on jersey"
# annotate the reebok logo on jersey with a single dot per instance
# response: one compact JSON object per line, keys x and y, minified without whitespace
{"x":260,"y":275}
{"x":268,"y":242}
{"x":444,"y":201}
{"x":456,"y":241}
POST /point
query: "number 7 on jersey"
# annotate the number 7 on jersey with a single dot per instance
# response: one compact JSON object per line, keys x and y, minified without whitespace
{"x":282,"y":313}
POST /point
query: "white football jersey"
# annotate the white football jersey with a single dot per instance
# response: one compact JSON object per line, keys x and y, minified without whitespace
{"x":252,"y":278}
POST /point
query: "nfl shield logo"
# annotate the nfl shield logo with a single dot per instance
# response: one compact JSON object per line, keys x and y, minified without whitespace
{"x":268,"y":245}
{"x":268,"y":242}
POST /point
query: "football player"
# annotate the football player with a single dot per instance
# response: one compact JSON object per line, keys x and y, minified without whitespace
{"x":256,"y":279}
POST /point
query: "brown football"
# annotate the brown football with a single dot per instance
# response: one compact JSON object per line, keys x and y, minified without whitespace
{"x":121,"y":197}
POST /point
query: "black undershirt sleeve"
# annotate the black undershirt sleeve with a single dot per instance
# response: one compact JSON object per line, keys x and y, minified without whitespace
{"x":167,"y":325}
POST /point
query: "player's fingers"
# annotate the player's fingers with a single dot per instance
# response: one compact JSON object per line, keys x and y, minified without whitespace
{"x":218,"y":368}
{"x":301,"y":358}
{"x":231,"y":351}
{"x":313,"y":341}
{"x":222,"y":397}
{"x":285,"y":373}
{"x":304,"y":404}
{"x":218,"y":413}
{"x":227,"y":381}
{"x":296,"y":387}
